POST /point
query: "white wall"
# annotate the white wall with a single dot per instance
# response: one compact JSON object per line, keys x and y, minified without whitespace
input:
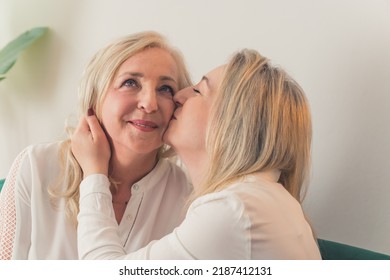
{"x":338,"y":50}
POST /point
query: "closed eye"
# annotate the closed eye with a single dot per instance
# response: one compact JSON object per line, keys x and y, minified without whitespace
{"x":196,"y":90}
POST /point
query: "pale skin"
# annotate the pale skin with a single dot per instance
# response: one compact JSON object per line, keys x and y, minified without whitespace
{"x":135,"y":114}
{"x":186,"y":132}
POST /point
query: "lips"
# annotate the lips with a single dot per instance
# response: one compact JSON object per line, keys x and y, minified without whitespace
{"x":143,"y":125}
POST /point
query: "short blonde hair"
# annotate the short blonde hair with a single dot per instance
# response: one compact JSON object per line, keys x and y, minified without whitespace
{"x":98,"y":75}
{"x":260,"y":120}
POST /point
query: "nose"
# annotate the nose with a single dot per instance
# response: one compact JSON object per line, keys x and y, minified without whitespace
{"x":181,"y":96}
{"x":148,"y":100}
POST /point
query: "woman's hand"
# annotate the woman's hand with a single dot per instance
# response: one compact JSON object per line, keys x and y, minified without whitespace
{"x":90,"y":146}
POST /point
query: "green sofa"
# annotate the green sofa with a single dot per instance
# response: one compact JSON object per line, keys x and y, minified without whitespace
{"x":331,"y":250}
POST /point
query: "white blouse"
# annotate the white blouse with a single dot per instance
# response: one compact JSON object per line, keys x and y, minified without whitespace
{"x":252,"y":219}
{"x":31,"y":227}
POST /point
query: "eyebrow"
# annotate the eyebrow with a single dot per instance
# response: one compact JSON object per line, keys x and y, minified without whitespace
{"x":167,"y":78}
{"x":207,"y":80}
{"x":141,"y":75}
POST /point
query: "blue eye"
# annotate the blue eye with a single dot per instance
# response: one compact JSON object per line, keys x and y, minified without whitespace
{"x":167,"y":89}
{"x":129,"y":83}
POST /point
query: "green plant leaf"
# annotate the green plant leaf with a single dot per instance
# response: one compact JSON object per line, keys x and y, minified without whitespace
{"x":10,"y":53}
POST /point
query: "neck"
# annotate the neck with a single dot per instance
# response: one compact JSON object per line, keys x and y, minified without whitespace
{"x":196,"y":165}
{"x":128,"y":168}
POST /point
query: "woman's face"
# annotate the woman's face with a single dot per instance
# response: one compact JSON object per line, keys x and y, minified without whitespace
{"x":187,"y":129}
{"x":138,"y":104}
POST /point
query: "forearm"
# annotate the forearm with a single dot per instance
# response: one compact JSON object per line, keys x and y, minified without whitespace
{"x":98,"y":236}
{"x":97,"y":228}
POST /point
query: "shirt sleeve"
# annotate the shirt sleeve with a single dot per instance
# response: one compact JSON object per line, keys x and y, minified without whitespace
{"x":10,"y":233}
{"x":213,"y":229}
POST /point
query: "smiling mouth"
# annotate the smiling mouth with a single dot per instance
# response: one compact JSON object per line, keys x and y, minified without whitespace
{"x":145,"y":126}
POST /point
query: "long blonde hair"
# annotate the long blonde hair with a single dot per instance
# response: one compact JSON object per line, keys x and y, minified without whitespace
{"x":260,"y":120}
{"x":93,"y":87}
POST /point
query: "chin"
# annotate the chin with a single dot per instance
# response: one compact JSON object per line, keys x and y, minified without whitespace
{"x":167,"y":142}
{"x":167,"y":137}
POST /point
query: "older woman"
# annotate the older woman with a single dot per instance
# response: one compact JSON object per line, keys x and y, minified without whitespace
{"x":129,"y":85}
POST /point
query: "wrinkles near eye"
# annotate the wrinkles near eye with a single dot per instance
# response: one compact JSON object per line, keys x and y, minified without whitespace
{"x":129,"y":83}
{"x":167,"y":89}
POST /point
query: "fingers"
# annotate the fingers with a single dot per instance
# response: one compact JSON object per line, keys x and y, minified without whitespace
{"x":90,"y":146}
{"x":94,"y":127}
{"x":89,"y":125}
